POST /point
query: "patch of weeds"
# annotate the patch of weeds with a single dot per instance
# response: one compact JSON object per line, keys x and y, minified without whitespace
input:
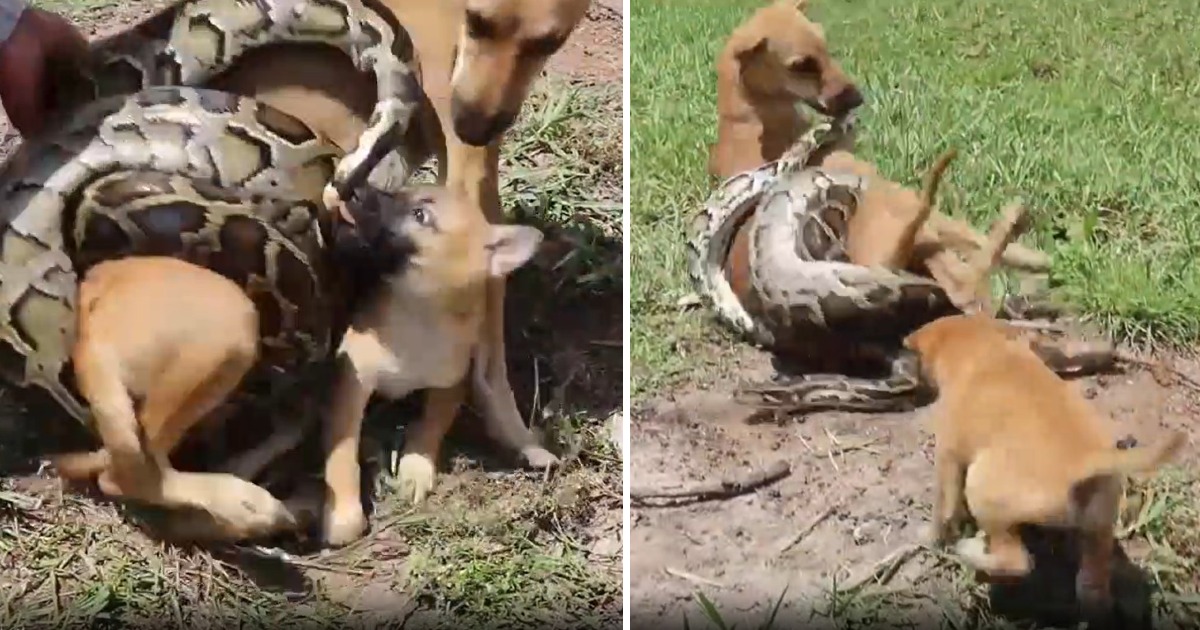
{"x":76,"y":564}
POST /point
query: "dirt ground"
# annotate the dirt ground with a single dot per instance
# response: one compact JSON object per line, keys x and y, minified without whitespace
{"x":859,"y":490}
{"x":566,"y":371}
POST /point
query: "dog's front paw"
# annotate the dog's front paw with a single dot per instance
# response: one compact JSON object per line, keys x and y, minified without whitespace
{"x":342,"y":527}
{"x":245,"y":511}
{"x":538,"y":458}
{"x":416,"y":474}
{"x":973,"y":551}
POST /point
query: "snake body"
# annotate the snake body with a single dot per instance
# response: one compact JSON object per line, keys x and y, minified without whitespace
{"x":194,"y":41}
{"x":221,"y":180}
{"x":805,"y":299}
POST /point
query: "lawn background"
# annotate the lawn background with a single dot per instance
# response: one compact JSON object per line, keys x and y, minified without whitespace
{"x":1088,"y":110}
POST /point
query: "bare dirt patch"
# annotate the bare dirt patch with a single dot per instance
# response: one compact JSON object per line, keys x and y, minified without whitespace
{"x":858,"y":492}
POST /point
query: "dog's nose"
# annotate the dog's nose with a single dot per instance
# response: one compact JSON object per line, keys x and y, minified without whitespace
{"x":847,"y":100}
{"x":476,"y":128}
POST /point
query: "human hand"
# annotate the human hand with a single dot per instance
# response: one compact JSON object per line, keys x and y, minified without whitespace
{"x":39,"y":40}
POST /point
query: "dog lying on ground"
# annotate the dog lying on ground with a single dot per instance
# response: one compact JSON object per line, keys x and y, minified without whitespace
{"x":774,"y":59}
{"x":152,"y":362}
{"x":478,"y":61}
{"x":1017,"y":445}
{"x":422,"y":260}
{"x":899,"y":228}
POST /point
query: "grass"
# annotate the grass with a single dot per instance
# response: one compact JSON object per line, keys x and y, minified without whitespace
{"x":1082,"y":108}
{"x":491,"y":547}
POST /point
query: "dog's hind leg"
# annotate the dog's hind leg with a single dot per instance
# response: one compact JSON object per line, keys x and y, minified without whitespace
{"x":949,"y":504}
{"x":495,"y":396}
{"x":1000,"y":555}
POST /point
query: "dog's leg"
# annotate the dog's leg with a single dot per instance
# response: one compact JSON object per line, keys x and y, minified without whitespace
{"x":344,"y":520}
{"x":948,"y":501}
{"x":476,"y":170}
{"x":959,"y":235}
{"x":180,"y":398}
{"x":418,"y":466}
{"x":1001,"y":555}
{"x":1093,"y":583}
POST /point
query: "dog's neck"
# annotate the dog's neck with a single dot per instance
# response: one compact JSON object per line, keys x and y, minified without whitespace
{"x":754,"y":121}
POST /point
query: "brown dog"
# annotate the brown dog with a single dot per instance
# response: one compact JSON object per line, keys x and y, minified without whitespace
{"x":180,"y":353}
{"x":1017,"y":445}
{"x":478,"y":60}
{"x":771,"y":61}
{"x":899,"y":228}
{"x":420,"y":263}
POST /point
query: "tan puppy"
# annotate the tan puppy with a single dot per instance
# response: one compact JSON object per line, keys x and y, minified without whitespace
{"x":771,"y":61}
{"x":180,"y":353}
{"x":418,"y":264}
{"x":478,"y":59}
{"x":898,"y":228}
{"x":1017,"y":445}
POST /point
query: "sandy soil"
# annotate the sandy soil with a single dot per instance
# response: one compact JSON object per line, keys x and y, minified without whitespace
{"x":859,"y":489}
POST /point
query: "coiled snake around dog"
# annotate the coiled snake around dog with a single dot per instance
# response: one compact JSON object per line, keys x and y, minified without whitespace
{"x":806,"y":300}
{"x":193,"y":41}
{"x":220,"y":180}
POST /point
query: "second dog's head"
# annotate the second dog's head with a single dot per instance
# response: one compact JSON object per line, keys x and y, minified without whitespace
{"x":502,"y":48}
{"x":782,"y":53}
{"x":428,"y":244}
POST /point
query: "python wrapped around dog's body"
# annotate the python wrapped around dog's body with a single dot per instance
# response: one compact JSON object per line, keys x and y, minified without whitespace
{"x":191,"y":42}
{"x":767,"y":254}
{"x":219,"y":180}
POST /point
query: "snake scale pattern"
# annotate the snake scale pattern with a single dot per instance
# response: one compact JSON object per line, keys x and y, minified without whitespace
{"x":805,"y":300}
{"x":144,"y":160}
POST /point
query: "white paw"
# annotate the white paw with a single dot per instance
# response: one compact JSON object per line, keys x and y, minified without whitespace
{"x":415,"y":473}
{"x":247,"y":511}
{"x":538,"y":457}
{"x":973,"y":551}
{"x":342,"y":527}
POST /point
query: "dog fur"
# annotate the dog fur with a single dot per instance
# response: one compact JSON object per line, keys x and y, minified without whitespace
{"x":478,"y":60}
{"x":899,"y":228}
{"x":153,"y":362}
{"x":426,"y":255}
{"x":774,"y":59}
{"x":1016,"y":445}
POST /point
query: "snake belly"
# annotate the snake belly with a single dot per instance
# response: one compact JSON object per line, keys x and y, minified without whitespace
{"x":805,"y":297}
{"x":193,"y":41}
{"x":222,"y":180}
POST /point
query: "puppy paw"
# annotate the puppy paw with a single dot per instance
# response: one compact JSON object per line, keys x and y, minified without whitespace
{"x":973,"y":551}
{"x":244,"y":511}
{"x":416,"y":474}
{"x":342,"y":527}
{"x":538,"y":458}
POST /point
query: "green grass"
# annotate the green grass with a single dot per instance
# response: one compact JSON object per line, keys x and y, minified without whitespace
{"x":1087,"y":110}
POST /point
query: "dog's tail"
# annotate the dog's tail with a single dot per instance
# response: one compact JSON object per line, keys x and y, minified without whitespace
{"x":1125,"y":462}
{"x":933,"y":179}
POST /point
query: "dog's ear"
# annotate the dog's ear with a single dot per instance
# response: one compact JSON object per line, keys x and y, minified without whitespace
{"x":746,"y":53}
{"x":511,"y":246}
{"x":800,"y":6}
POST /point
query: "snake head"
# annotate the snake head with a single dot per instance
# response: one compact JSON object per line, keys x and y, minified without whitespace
{"x":426,"y":241}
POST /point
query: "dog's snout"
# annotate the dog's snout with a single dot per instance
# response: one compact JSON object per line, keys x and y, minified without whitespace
{"x":846,"y":101}
{"x":475,"y":127}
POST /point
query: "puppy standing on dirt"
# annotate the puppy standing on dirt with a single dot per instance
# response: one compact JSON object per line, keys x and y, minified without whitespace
{"x":478,"y":61}
{"x":418,"y":264}
{"x":180,"y":353}
{"x":1017,"y":445}
{"x":770,"y":62}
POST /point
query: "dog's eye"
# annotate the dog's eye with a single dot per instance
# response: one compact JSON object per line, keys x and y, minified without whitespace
{"x":420,"y":216}
{"x":478,"y":27}
{"x":805,"y":65}
{"x":542,"y":46}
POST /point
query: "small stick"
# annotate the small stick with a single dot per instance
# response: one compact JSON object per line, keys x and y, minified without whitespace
{"x":723,"y":489}
{"x":883,"y":570}
{"x":795,"y":540}
{"x":692,"y":577}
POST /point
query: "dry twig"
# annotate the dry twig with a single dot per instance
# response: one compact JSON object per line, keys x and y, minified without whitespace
{"x":724,"y":489}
